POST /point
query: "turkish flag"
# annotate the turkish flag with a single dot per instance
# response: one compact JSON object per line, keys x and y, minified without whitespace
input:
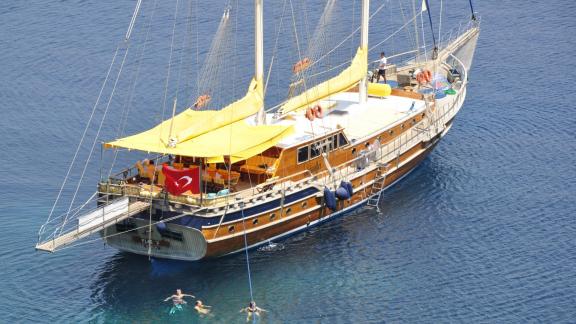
{"x":179,"y":181}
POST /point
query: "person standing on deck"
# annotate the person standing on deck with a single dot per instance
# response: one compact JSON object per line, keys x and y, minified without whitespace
{"x":382,"y":63}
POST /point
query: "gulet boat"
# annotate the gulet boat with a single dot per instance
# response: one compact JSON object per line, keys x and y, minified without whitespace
{"x":225,"y":180}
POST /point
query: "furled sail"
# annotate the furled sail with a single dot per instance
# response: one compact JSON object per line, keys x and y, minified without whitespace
{"x":200,"y":122}
{"x":343,"y":81}
{"x":211,"y":134}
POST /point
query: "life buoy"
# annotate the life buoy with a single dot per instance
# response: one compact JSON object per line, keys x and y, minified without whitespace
{"x":202,"y":101}
{"x":318,"y":111}
{"x":310,"y":114}
{"x":420,"y":78}
{"x":427,"y":75}
{"x":301,"y":65}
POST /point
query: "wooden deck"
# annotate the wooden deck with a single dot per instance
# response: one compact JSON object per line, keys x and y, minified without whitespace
{"x":83,"y":231}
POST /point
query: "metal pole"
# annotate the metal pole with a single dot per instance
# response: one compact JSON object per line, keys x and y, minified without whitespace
{"x":362,"y":88}
{"x":259,"y":53}
{"x":416,"y":30}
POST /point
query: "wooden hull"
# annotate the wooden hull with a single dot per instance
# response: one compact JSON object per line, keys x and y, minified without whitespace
{"x":315,"y":211}
{"x":292,"y":218}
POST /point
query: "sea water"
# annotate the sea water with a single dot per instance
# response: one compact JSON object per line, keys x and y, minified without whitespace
{"x":483,"y":231}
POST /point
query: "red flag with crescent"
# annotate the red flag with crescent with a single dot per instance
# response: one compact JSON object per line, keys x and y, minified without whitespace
{"x":179,"y":181}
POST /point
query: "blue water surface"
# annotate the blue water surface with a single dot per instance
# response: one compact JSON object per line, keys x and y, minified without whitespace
{"x":483,"y":231}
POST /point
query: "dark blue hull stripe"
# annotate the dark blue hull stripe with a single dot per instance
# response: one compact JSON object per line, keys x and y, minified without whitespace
{"x":198,"y":221}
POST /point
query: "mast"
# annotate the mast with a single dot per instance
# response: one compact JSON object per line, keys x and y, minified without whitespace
{"x":362,"y":88}
{"x":416,"y":30}
{"x":259,"y":53}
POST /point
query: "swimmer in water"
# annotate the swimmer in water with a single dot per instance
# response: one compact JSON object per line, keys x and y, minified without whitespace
{"x":177,"y":300}
{"x":201,"y":308}
{"x":252,"y":309}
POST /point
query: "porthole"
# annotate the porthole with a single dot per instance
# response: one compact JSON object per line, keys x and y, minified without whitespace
{"x":402,"y":126}
{"x":354,"y":151}
{"x":391,"y":132}
{"x":255,"y":221}
{"x":272,"y":217}
{"x":231,"y":229}
{"x":305,"y":204}
{"x":288,"y":211}
{"x":414,"y":120}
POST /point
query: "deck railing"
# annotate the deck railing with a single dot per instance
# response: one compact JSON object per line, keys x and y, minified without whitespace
{"x":384,"y":153}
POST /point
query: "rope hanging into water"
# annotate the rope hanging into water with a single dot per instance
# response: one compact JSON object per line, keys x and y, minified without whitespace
{"x":247,"y":258}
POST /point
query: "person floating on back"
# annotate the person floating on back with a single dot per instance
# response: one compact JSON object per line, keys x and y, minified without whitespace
{"x":177,"y":301}
{"x":252,"y":309}
{"x":201,"y":308}
{"x":382,"y":63}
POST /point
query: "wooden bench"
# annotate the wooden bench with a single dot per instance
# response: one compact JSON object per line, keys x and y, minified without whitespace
{"x":260,"y":165}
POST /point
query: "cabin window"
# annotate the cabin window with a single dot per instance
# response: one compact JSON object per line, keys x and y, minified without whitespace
{"x":304,"y":204}
{"x":272,"y":216}
{"x":231,"y":229}
{"x":354,"y":151}
{"x":315,"y":150}
{"x":402,"y":126}
{"x":255,"y":221}
{"x":335,"y":141}
{"x":342,"y":140}
{"x":288,"y":211}
{"x":303,"y":154}
{"x":391,"y":132}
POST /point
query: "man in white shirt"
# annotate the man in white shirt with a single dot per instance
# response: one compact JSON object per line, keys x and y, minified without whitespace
{"x":382,"y":63}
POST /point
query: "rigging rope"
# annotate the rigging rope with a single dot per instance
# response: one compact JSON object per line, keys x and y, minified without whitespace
{"x":394,"y":33}
{"x":95,"y":138}
{"x":128,"y":105}
{"x":435,"y":50}
{"x":275,"y":49}
{"x":347,"y":37}
{"x":247,"y":256}
{"x":83,"y":135}
{"x":169,"y":69}
{"x":410,"y":36}
{"x":472,"y":10}
{"x":72,"y":163}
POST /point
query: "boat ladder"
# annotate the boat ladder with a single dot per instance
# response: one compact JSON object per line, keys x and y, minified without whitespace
{"x":378,"y":186}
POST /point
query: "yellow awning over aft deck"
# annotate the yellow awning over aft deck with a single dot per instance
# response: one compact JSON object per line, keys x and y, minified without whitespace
{"x":211,"y":134}
{"x":343,"y":81}
{"x":239,"y":140}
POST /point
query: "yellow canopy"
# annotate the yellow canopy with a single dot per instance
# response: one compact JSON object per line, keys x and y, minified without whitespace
{"x":196,"y":123}
{"x":343,"y":81}
{"x":239,"y":140}
{"x":210,"y":134}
